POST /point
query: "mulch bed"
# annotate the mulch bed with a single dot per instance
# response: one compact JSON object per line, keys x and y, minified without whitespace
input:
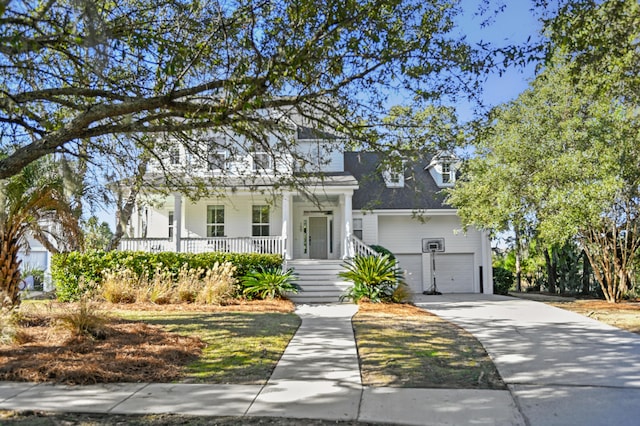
{"x":124,"y":352}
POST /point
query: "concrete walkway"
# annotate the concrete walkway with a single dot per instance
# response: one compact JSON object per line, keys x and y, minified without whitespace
{"x":562,"y":368}
{"x":317,"y":377}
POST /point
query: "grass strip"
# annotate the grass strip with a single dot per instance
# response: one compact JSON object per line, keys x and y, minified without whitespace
{"x":404,"y":346}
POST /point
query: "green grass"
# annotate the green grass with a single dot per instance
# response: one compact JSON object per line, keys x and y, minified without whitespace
{"x":414,"y":349}
{"x":242,"y":348}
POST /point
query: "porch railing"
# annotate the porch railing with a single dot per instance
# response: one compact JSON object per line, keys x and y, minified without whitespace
{"x":151,"y":245}
{"x":359,"y":248}
{"x":265,"y":245}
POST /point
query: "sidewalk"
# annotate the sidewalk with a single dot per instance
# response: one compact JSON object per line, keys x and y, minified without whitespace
{"x":317,"y":377}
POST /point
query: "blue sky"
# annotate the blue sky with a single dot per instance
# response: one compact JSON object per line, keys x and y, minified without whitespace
{"x":514,"y":25}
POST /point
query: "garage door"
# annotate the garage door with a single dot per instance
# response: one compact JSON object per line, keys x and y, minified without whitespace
{"x":411,"y":264}
{"x":454,"y":273}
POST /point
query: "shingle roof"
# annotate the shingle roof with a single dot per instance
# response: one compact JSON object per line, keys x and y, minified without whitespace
{"x":419,"y":192}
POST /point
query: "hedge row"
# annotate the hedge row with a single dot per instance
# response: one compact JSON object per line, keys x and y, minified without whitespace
{"x":67,"y":269}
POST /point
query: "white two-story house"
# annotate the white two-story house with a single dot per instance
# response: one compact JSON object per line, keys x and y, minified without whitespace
{"x":317,"y":208}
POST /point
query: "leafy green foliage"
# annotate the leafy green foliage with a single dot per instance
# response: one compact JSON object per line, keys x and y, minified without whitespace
{"x":374,"y":278}
{"x":268,"y":283}
{"x":145,"y":66}
{"x":383,"y":250}
{"x":503,"y":280}
{"x":68,"y":270}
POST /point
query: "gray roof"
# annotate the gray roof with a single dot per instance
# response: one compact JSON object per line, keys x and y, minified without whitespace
{"x":420,"y":191}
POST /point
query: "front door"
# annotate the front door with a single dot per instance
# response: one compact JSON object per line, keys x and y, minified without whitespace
{"x":318,"y":238}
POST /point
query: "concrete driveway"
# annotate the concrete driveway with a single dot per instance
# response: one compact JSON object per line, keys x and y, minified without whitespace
{"x":562,"y":368}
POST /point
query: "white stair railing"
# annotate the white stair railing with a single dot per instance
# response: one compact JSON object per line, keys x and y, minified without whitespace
{"x":359,"y":248}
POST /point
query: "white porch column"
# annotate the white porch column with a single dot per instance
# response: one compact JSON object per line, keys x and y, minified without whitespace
{"x":177,"y":220}
{"x":347,"y":250}
{"x":287,"y":226}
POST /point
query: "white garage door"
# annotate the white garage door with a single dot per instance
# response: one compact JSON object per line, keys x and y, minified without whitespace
{"x":411,"y":264}
{"x":454,"y":273}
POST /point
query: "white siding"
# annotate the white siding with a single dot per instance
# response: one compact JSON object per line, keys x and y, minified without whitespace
{"x":237,"y":212}
{"x":370,"y":228}
{"x":403,"y":235}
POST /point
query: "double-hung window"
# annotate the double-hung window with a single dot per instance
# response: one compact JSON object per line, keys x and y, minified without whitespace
{"x":215,"y":221}
{"x":260,"y":221}
{"x":446,"y":172}
{"x":171,"y":218}
{"x":216,"y":155}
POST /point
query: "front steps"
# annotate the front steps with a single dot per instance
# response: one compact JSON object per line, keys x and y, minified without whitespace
{"x":319,"y":281}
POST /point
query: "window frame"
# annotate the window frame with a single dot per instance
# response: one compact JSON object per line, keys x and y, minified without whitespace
{"x":357,"y":229}
{"x":259,"y":227}
{"x":215,"y":228}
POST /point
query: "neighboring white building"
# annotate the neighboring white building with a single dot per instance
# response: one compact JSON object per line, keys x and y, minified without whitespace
{"x":354,"y":202}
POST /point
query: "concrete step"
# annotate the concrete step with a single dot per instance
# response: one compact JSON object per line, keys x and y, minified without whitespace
{"x":318,"y":280}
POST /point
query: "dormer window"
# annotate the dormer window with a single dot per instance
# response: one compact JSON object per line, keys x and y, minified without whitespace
{"x":443,"y":169}
{"x":446,"y":172}
{"x":394,"y":175}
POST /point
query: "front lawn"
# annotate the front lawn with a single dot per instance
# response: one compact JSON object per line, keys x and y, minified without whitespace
{"x":147,"y":343}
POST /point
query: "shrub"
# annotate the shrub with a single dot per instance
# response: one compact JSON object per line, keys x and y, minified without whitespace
{"x":269,"y":283}
{"x":502,"y":280}
{"x":402,"y":293}
{"x":374,"y":278}
{"x":383,"y":251}
{"x":68,"y":268}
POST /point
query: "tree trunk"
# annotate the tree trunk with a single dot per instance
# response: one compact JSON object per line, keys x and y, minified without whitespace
{"x":518,"y":260}
{"x":9,"y":272}
{"x":125,"y":211}
{"x":551,"y":271}
{"x":586,"y":272}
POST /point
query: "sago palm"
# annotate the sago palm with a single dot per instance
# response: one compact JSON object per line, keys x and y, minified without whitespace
{"x":374,"y":278}
{"x":31,"y":204}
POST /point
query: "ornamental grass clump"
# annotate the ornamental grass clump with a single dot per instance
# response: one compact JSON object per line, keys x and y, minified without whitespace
{"x":84,"y":320}
{"x":375,"y":279}
{"x":120,"y":286}
{"x":161,"y":287}
{"x":218,"y":285}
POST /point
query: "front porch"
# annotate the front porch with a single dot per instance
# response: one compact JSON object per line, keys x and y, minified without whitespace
{"x":262,"y":245}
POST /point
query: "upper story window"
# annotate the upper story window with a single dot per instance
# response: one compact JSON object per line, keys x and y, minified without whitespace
{"x":215,"y":221}
{"x":394,"y":175}
{"x":443,"y":168}
{"x":216,"y":154}
{"x":262,"y":161}
{"x":446,"y":172}
{"x":260,"y":221}
{"x":174,"y":155}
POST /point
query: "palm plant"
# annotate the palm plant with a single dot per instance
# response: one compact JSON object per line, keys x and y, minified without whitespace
{"x":268,"y":283}
{"x":31,"y":204}
{"x":374,"y":278}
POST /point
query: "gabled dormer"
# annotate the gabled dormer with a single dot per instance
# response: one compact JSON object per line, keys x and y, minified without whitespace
{"x":443,"y":168}
{"x":393,"y":173}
